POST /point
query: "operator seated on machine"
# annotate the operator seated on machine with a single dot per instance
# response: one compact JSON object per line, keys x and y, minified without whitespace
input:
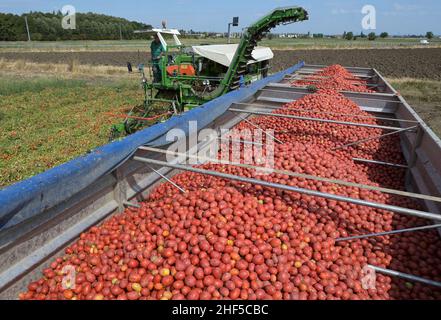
{"x":157,"y":51}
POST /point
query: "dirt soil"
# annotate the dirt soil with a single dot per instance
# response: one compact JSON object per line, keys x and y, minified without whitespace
{"x":393,"y":63}
{"x":396,"y":63}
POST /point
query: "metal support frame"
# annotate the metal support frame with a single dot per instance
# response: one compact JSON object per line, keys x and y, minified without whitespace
{"x":313,"y":73}
{"x":355,"y":124}
{"x":374,"y":138}
{"x":401,"y":166}
{"x":167,"y":179}
{"x":352,"y":83}
{"x":381,"y":206}
{"x":241,"y":141}
{"x":331,"y":113}
{"x":405,"y":276}
{"x":381,"y":163}
{"x":287,"y":88}
{"x":387,"y":233}
{"x":202,"y":159}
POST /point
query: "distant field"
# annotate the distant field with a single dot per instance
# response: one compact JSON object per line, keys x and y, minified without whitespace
{"x":276,"y":43}
{"x":395,"y":63}
{"x":400,"y":62}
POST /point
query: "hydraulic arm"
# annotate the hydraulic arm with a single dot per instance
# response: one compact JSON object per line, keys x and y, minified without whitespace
{"x":251,"y":36}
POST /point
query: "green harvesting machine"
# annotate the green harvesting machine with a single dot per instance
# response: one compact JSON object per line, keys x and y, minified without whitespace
{"x":193,"y":75}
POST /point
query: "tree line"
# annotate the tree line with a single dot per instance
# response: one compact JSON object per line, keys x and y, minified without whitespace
{"x":47,"y":26}
{"x":372,"y":36}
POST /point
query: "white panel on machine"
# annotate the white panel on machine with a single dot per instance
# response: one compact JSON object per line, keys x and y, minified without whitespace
{"x":224,"y":53}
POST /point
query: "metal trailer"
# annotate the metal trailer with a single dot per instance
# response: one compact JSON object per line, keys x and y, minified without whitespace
{"x":44,"y":228}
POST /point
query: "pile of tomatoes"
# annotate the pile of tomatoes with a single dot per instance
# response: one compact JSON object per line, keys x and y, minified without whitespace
{"x":331,"y":105}
{"x":224,"y":239}
{"x":334,"y":77}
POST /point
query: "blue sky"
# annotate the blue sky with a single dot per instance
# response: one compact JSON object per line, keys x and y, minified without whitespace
{"x":329,"y":17}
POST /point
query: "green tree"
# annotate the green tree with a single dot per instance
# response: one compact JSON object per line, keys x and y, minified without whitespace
{"x":47,"y":26}
{"x":349,"y":36}
{"x":372,"y":36}
{"x":429,"y":35}
{"x":384,"y":35}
